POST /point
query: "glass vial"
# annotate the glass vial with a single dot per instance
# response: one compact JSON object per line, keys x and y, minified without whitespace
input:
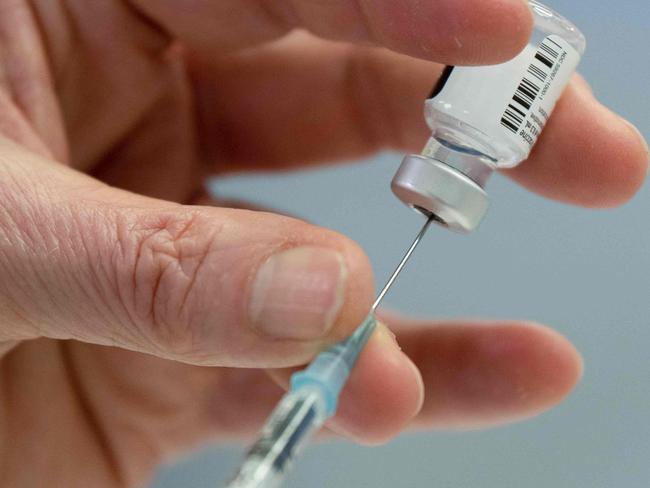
{"x":488,"y":117}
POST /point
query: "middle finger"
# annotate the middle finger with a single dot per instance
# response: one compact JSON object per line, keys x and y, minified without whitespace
{"x":307,"y":100}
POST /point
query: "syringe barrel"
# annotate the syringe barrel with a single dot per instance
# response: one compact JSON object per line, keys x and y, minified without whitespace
{"x":328,"y":373}
{"x":294,"y":420}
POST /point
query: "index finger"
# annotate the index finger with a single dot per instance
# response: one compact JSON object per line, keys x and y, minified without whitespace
{"x":448,"y":31}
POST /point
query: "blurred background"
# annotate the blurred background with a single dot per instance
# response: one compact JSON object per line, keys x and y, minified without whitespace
{"x":583,"y":272}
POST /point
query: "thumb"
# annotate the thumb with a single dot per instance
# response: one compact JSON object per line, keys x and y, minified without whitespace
{"x":80,"y":260}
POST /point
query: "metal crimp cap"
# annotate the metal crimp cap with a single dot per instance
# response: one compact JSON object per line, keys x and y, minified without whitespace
{"x":432,"y":186}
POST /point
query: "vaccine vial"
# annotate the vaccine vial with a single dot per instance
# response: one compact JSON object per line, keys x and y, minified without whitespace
{"x":485,"y":118}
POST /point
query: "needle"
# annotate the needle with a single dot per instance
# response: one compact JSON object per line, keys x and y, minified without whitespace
{"x":402,"y":263}
{"x":312,"y":399}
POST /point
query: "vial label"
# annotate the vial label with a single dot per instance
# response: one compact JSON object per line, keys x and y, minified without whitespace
{"x":539,"y":89}
{"x":509,"y":103}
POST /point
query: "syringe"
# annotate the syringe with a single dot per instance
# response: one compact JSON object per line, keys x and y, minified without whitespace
{"x":311,"y":400}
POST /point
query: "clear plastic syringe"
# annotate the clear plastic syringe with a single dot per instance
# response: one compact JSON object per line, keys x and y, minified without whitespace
{"x":311,"y":400}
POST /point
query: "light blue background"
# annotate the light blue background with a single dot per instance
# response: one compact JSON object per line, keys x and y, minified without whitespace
{"x":583,"y":272}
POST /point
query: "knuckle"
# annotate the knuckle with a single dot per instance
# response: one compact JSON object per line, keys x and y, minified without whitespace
{"x":161,"y":263}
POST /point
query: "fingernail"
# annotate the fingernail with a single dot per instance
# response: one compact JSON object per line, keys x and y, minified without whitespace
{"x":298,"y":293}
{"x":386,"y":336}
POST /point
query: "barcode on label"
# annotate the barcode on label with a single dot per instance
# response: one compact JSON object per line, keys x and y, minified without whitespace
{"x":532,"y":83}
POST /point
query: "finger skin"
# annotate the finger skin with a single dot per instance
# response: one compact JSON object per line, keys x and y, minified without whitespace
{"x":383,"y":395}
{"x":80,"y":260}
{"x":482,"y":374}
{"x":587,"y":155}
{"x":168,"y":408}
{"x":308,"y":100}
{"x":469,"y":375}
{"x":45,"y":426}
{"x":448,"y":31}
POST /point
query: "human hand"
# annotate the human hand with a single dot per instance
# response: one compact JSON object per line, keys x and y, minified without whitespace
{"x":152,"y":289}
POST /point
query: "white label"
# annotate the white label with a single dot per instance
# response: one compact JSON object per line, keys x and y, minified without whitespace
{"x":539,"y":89}
{"x":510,"y":101}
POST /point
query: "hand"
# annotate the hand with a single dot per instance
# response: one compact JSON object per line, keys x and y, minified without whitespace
{"x":150,"y":96}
